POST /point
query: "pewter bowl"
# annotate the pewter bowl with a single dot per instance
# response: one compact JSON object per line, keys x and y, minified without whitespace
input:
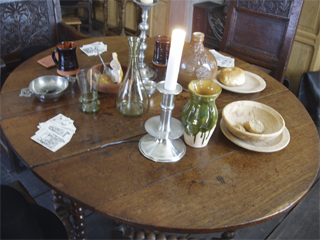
{"x":49,"y":88}
{"x":150,"y":86}
{"x":239,"y":112}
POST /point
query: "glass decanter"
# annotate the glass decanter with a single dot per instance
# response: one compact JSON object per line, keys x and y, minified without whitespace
{"x":132,"y":99}
{"x":196,"y":62}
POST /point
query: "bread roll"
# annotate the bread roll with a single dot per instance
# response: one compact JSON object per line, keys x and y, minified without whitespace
{"x":105,"y":79}
{"x":232,"y":76}
{"x":240,"y":127}
{"x":254,"y":126}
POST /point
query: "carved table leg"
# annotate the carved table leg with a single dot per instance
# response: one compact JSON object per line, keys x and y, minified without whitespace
{"x":228,"y":235}
{"x":63,"y":212}
{"x":71,"y":215}
{"x":120,"y":231}
{"x":155,"y":235}
{"x":79,"y":223}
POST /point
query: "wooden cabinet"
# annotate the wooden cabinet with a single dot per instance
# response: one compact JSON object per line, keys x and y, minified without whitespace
{"x":305,"y":54}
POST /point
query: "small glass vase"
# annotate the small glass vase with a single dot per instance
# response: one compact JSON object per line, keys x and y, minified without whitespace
{"x":200,"y":114}
{"x":196,"y":62}
{"x":132,"y":99}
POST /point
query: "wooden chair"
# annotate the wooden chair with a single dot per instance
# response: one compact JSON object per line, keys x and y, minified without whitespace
{"x":309,"y":95}
{"x":262,"y":32}
{"x":22,"y":213}
{"x":86,"y":5}
{"x":29,"y":25}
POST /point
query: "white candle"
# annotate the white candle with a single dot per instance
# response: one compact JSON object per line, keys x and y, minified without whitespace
{"x":146,"y":1}
{"x":173,"y":66}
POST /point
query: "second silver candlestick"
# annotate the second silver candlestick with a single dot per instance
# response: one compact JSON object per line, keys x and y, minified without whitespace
{"x":146,"y":72}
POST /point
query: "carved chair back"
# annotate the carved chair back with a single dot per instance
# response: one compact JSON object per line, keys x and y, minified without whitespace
{"x":262,"y":32}
{"x":27,"y":23}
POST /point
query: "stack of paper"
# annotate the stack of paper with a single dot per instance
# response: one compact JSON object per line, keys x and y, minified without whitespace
{"x":91,"y":49}
{"x":222,"y":61}
{"x":55,"y":133}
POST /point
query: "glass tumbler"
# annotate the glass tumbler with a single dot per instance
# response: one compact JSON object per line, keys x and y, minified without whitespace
{"x":88,"y":80}
{"x":161,"y":50}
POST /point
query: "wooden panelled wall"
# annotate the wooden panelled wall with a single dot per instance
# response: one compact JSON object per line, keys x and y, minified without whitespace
{"x":159,"y":19}
{"x":113,"y":13}
{"x":158,"y":16}
{"x":305,"y":54}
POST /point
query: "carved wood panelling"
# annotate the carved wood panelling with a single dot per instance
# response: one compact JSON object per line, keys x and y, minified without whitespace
{"x":275,"y":7}
{"x":24,"y":24}
{"x":216,"y":23}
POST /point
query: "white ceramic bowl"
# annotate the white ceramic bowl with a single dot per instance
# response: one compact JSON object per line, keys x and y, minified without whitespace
{"x":240,"y":112}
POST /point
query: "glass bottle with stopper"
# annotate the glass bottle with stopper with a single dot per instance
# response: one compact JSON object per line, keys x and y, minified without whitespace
{"x":196,"y":62}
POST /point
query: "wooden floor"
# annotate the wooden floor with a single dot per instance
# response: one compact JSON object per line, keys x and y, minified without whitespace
{"x":302,"y":222}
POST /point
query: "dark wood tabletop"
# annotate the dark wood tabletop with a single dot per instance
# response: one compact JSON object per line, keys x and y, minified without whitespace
{"x":219,"y":188}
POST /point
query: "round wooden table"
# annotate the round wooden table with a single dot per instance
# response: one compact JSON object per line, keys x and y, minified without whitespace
{"x":219,"y":188}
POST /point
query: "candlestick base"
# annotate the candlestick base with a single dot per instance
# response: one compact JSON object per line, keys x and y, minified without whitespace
{"x":147,"y":73}
{"x":163,"y":143}
{"x":152,"y":127}
{"x":162,"y":150}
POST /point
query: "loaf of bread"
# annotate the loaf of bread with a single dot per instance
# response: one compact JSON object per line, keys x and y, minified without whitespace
{"x":232,"y":76}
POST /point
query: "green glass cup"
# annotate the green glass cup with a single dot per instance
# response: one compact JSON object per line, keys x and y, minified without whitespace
{"x":88,"y":80}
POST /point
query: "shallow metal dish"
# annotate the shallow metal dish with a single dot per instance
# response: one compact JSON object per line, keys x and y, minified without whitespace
{"x":48,"y":88}
{"x":150,"y":86}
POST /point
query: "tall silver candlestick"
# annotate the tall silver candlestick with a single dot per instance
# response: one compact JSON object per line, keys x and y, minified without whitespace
{"x":163,"y":143}
{"x":146,"y":72}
